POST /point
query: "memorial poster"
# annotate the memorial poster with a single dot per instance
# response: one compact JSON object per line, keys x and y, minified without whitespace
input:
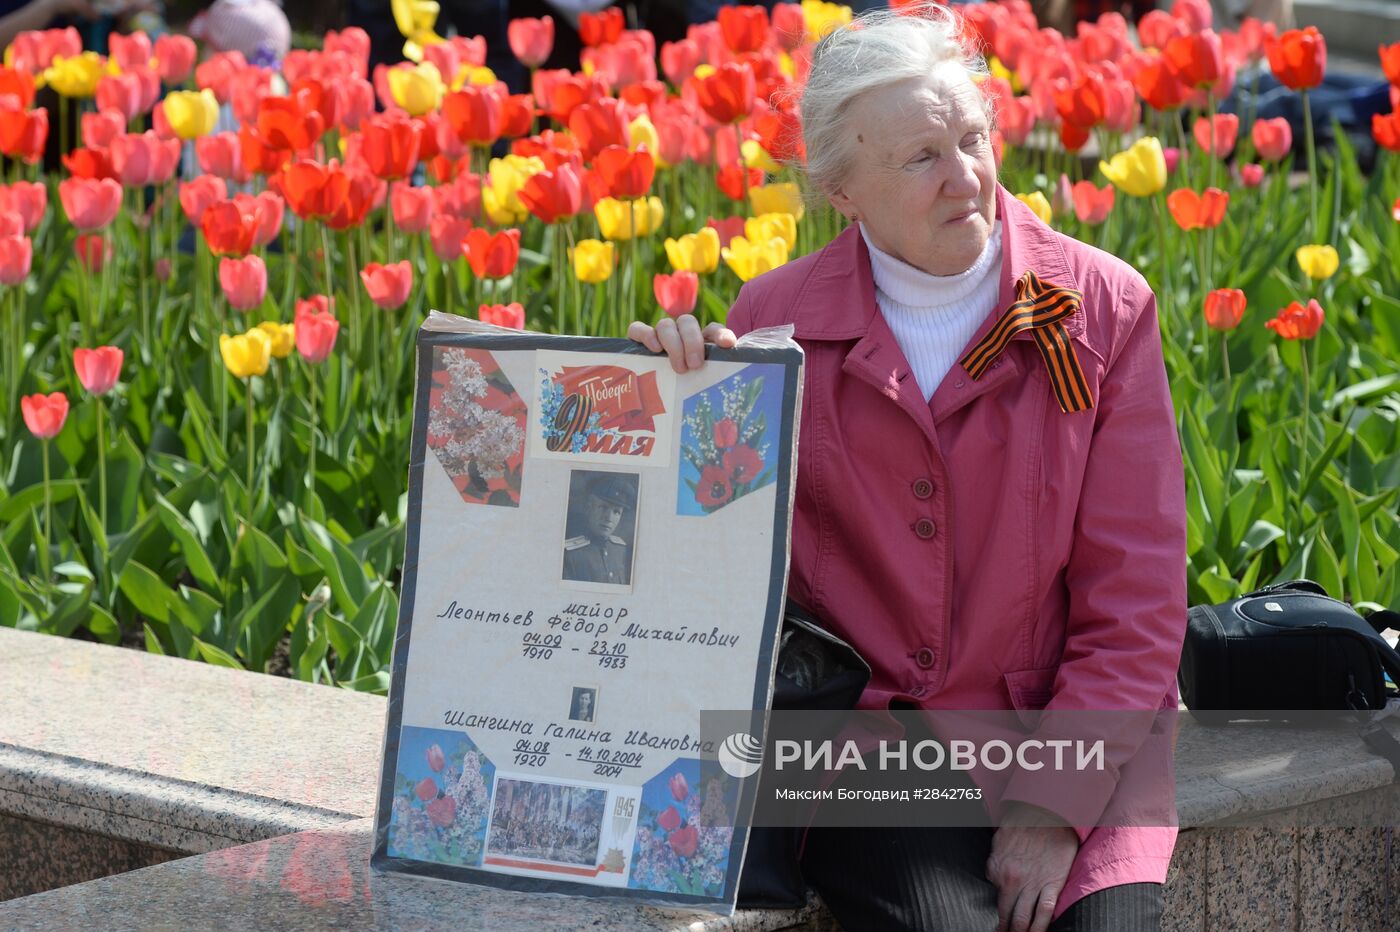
{"x":596,"y":552}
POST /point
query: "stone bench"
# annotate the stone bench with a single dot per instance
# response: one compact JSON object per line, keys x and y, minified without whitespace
{"x":248,"y":798}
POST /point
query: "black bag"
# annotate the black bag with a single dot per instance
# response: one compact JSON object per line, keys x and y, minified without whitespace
{"x":815,"y":670}
{"x":1290,"y":646}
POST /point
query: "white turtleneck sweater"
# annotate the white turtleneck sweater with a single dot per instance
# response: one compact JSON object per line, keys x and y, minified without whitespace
{"x":934,"y":316}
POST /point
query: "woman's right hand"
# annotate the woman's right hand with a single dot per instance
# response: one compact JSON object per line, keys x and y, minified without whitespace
{"x":681,"y":339}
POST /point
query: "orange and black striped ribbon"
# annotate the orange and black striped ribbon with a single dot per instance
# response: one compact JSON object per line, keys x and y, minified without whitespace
{"x":1041,"y":307}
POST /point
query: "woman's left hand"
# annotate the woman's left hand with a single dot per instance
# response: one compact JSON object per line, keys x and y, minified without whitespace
{"x":1029,"y":864}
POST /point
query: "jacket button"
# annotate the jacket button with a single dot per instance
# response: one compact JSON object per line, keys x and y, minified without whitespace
{"x":924,"y":657}
{"x":922,"y":488}
{"x":924,"y":528}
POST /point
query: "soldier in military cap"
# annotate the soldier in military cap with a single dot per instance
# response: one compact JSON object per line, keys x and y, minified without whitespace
{"x":599,"y":554}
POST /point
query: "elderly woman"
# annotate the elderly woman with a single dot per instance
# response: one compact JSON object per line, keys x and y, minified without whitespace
{"x":990,"y":499}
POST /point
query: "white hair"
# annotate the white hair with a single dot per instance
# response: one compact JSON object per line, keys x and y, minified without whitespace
{"x":878,"y":48}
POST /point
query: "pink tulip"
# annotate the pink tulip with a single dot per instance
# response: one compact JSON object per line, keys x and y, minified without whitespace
{"x":174,"y":56}
{"x":1272,"y":138}
{"x":531,"y":40}
{"x":16,"y":257}
{"x":99,"y":129}
{"x":1092,"y":204}
{"x":28,"y":199}
{"x":269,"y":208}
{"x":316,"y":331}
{"x":1251,"y":174}
{"x":130,"y":51}
{"x":163,"y":269}
{"x":680,"y":789}
{"x":1172,"y":156}
{"x":436,"y":759}
{"x":412,"y":207}
{"x":198,"y":195}
{"x":99,"y":368}
{"x":388,"y":285}
{"x":120,"y":93}
{"x":244,"y":281}
{"x":221,"y":154}
{"x":90,"y":203}
{"x":44,"y":414}
{"x":447,"y":233}
{"x":503,"y":315}
{"x":141,"y":159}
{"x":676,"y":293}
{"x":1219,"y":139}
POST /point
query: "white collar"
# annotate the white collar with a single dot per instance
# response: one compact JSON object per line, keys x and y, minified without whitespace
{"x":913,"y":287}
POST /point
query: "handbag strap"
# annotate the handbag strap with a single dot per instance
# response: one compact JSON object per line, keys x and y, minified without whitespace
{"x":1384,"y":618}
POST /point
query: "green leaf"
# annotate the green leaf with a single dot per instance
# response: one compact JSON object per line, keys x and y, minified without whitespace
{"x":190,"y":546}
{"x":343,"y":571}
{"x":214,"y":655}
{"x":147,"y":591}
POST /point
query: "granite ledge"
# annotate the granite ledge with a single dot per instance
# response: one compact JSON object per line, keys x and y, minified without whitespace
{"x":321,"y":879}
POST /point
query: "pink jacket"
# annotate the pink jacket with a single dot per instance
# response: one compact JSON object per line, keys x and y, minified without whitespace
{"x":986,"y":550}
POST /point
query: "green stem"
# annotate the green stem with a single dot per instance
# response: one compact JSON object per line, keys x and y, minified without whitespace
{"x":1225,"y":362}
{"x":315,"y":427}
{"x":101,"y":466}
{"x":48,"y":517}
{"x":248,"y":420}
{"x":1312,"y":161}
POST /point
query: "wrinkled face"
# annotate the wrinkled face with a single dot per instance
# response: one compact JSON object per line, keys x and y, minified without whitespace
{"x":603,"y":516}
{"x":923,"y":181}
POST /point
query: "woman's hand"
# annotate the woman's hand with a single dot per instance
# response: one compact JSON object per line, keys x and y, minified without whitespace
{"x":1029,"y":866}
{"x":681,"y":339}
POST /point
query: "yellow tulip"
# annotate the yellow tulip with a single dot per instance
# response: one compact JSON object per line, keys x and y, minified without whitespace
{"x":999,"y":70}
{"x":777,"y":198}
{"x":592,"y":261}
{"x":1318,"y":262}
{"x":481,"y":75}
{"x":192,"y":114}
{"x":755,"y":156}
{"x":418,"y":89}
{"x":786,"y":65}
{"x":642,"y":132}
{"x":751,"y":259}
{"x":823,"y":17}
{"x":283,"y":337}
{"x":1038,"y":204}
{"x":704,"y":70}
{"x":247,"y":354}
{"x":764,"y":227}
{"x":416,"y":19}
{"x":695,"y":252}
{"x":614,"y":221}
{"x":76,"y":76}
{"x":1140,"y":170}
{"x":501,"y":195}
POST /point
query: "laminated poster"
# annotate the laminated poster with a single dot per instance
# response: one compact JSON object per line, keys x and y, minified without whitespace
{"x":596,"y":552}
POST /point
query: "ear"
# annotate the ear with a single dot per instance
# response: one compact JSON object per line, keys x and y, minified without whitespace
{"x":843,"y":203}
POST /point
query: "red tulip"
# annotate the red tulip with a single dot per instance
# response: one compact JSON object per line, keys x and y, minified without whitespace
{"x":98,"y":369}
{"x":684,"y":840}
{"x":1217,"y":140}
{"x":461,"y":198}
{"x":1395,"y":210}
{"x":447,"y":232}
{"x":18,"y":84}
{"x":730,"y":180}
{"x":90,"y":204}
{"x":140,"y":159}
{"x":726,"y":433}
{"x":363,"y":192}
{"x":476,"y":113}
{"x":598,"y":125}
{"x":1386,"y":128}
{"x":1298,"y":58}
{"x":426,"y":789}
{"x":44,"y":414}
{"x":602,"y":27}
{"x":1296,"y":322}
{"x":517,"y":115}
{"x":1158,"y":27}
{"x":676,"y":293}
{"x":27,"y":199}
{"x":503,"y":315}
{"x":531,"y":40}
{"x":23,"y":133}
{"x":669,"y":820}
{"x":789,"y":25}
{"x":727,"y":228}
{"x":1390,"y":62}
{"x":1092,"y":205}
{"x":1225,"y":308}
{"x":442,"y":811}
{"x":1159,"y":85}
{"x":553,"y":195}
{"x":289,"y":123}
{"x":627,"y":174}
{"x":313,"y":190}
{"x":99,"y":129}
{"x":1194,"y":211}
{"x":388,"y":285}
{"x":196,"y":196}
{"x":1197,"y":58}
{"x":728,"y":94}
{"x":745,"y":28}
{"x":316,"y":331}
{"x":174,"y":56}
{"x":244,"y":281}
{"x":1273,"y":139}
{"x":412,"y":207}
{"x":1251,"y":174}
{"x":491,"y":255}
{"x":390,"y":144}
{"x":1082,"y":103}
{"x":229,"y":227}
{"x":743,"y":463}
{"x":92,"y":164}
{"x":16,"y":257}
{"x":93,"y":250}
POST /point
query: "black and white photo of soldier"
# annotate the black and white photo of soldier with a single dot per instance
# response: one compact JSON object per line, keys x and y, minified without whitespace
{"x":584,"y":704}
{"x":547,"y":821}
{"x":601,"y":527}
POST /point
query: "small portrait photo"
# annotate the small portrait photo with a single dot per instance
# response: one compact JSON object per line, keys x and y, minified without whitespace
{"x":584,"y":704}
{"x":601,"y":527}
